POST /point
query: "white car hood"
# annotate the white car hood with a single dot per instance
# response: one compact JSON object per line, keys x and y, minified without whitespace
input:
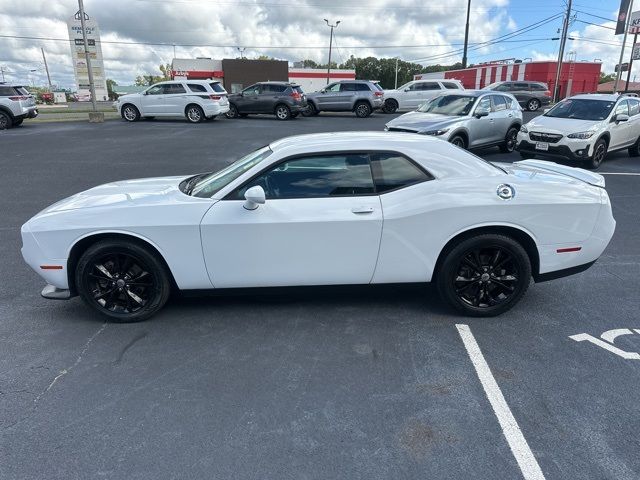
{"x":144,"y":191}
{"x":563,"y":126}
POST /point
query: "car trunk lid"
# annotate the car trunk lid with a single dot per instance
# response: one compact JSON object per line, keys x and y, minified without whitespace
{"x":586,"y":176}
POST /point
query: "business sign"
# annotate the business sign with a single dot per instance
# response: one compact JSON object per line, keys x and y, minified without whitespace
{"x":622,"y":16}
{"x":634,"y":22}
{"x":635,"y":53}
{"x":79,"y":60}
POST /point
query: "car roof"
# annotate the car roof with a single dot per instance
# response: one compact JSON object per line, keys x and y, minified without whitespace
{"x":275,"y":82}
{"x":610,"y":97}
{"x":440,"y":158}
{"x":353,"y":81}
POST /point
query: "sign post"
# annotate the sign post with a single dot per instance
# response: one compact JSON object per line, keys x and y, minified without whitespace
{"x":634,"y":27}
{"x":622,"y":26}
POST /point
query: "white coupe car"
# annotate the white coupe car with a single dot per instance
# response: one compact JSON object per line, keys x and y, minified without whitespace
{"x":326,"y":209}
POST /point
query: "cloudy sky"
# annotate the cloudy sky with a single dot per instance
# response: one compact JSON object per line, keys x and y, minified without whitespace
{"x":428,"y":32}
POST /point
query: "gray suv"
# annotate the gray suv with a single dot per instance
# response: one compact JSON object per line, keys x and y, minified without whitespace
{"x":466,"y":118}
{"x":283,"y":99}
{"x":359,"y":96}
{"x":16,"y":104}
{"x":531,"y":95}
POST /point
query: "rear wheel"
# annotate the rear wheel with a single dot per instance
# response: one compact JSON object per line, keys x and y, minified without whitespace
{"x":459,"y":141}
{"x":194,"y":114}
{"x":634,"y":150}
{"x":510,"y":141}
{"x":390,"y":106}
{"x":130,"y":113}
{"x":599,"y":152}
{"x":485,"y":275}
{"x":533,"y":104}
{"x":232,"y":112}
{"x":282,"y":112}
{"x":122,"y":280}
{"x":5,"y":121}
{"x":362,"y":109}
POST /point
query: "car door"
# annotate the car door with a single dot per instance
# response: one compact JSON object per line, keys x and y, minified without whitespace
{"x":520,"y":90}
{"x":620,"y":131}
{"x":328,"y":98}
{"x":634,"y":120}
{"x":267,"y":97}
{"x":175,"y":100}
{"x":348,"y":92}
{"x":481,"y":127}
{"x":409,"y":99}
{"x":321,"y":225}
{"x":500,"y":116}
{"x":153,"y":100}
{"x":247,"y":101}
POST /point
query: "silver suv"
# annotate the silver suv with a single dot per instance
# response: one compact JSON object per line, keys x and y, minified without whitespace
{"x":16,"y":104}
{"x":466,"y":118}
{"x":359,"y":96}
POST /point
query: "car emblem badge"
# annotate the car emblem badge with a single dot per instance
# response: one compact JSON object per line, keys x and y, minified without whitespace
{"x":505,"y":191}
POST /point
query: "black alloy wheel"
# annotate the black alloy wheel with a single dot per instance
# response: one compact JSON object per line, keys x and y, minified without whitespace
{"x":599,"y":153}
{"x":533,"y":104}
{"x":362,"y":109}
{"x":510,"y":141}
{"x":5,"y":121}
{"x":122,"y":280}
{"x":485,"y":275}
{"x":310,"y":111}
{"x":390,"y":106}
{"x":458,"y":141}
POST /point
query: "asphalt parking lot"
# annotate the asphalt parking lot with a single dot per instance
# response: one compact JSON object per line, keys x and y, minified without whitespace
{"x":358,"y":383}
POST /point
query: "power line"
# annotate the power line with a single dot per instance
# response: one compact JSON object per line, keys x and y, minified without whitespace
{"x":595,"y":24}
{"x":595,"y":16}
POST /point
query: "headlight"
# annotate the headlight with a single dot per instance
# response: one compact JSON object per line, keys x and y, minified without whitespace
{"x":524,"y":129}
{"x":581,"y":135}
{"x":436,"y":132}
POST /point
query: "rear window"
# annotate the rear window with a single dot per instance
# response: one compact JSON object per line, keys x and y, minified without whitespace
{"x":392,"y":171}
{"x":451,"y":86}
{"x":378,"y":87}
{"x":362,"y":87}
{"x":10,"y":91}
{"x":274,"y":88}
{"x":348,"y":87}
{"x":539,"y":87}
{"x":196,"y":87}
{"x":217,"y":87}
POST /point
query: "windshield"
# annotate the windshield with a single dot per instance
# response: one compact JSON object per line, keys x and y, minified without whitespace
{"x":406,"y":85}
{"x":211,"y":183}
{"x":449,"y":105}
{"x":582,"y":109}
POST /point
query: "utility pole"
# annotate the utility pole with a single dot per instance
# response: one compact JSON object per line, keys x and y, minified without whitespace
{"x":2,"y":73}
{"x":330,"y":42}
{"x":563,"y":41}
{"x":395,"y":87}
{"x":635,"y":40}
{"x":46,"y":67}
{"x":92,"y":87}
{"x":466,"y":36}
{"x":624,"y":43}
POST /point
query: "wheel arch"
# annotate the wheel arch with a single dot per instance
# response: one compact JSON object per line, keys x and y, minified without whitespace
{"x":83,"y":243}
{"x":606,"y":136}
{"x":461,"y":132}
{"x":192,"y":104}
{"x":519,"y":234}
{"x":133,"y":105}
{"x":7,"y":111}
{"x":275,"y":107}
{"x":359,"y":101}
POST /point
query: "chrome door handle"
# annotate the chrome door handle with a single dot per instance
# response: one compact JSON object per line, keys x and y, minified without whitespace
{"x":510,"y":115}
{"x":362,"y":210}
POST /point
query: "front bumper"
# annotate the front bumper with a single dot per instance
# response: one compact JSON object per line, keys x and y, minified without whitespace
{"x":579,"y":151}
{"x":54,"y":293}
{"x":298,"y":107}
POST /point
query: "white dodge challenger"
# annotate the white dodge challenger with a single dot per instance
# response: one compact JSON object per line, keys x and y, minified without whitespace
{"x":326,"y":209}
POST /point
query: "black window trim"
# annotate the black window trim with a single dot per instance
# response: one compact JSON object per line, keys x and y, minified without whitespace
{"x":368,"y":153}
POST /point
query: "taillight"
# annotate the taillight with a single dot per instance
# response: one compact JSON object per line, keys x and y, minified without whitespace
{"x":296,"y":95}
{"x":215,"y":97}
{"x":548,"y":93}
{"x":378,"y":94}
{"x":22,"y":97}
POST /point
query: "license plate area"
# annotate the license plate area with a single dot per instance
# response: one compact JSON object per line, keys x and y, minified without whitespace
{"x":544,"y":146}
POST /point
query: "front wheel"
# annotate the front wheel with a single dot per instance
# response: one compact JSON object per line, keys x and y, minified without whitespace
{"x":232,"y":112}
{"x":510,"y":141}
{"x":533,"y":104}
{"x":458,"y":141}
{"x":130,"y":113}
{"x":485,"y":275}
{"x":282,"y":112}
{"x":390,"y":106}
{"x":634,"y":150}
{"x":122,"y":280}
{"x":194,"y":114}
{"x":599,"y":152}
{"x":311,"y":110}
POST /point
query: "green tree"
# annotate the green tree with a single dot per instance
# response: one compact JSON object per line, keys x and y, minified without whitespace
{"x":145,"y":80}
{"x":166,"y":71}
{"x":110,"y":84}
{"x":606,"y":77}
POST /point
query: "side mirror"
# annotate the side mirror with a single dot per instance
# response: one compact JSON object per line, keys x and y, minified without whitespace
{"x":481,"y":113}
{"x":406,"y":89}
{"x":621,"y":117}
{"x":254,"y":197}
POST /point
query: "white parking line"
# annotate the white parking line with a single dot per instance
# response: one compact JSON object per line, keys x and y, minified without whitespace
{"x":518,"y":444}
{"x":631,"y":174}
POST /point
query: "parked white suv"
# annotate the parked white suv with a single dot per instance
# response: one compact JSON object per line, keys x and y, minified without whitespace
{"x":413,"y":94}
{"x":196,"y":100}
{"x":584,"y":128}
{"x":16,"y":104}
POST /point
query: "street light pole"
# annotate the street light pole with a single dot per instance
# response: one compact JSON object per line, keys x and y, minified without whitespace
{"x":330,"y":42}
{"x":563,"y":41}
{"x":624,"y":44}
{"x":241,"y":50}
{"x":46,"y":67}
{"x":466,"y":36}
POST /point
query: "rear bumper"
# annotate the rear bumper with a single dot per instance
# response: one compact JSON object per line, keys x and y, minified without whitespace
{"x":215,"y":109}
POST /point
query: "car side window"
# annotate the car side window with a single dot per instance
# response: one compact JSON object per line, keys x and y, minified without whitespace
{"x":498,"y":103}
{"x":634,"y":107}
{"x":484,"y":104}
{"x":536,"y":87}
{"x":156,"y":90}
{"x":362,"y":87}
{"x":622,"y":108}
{"x":335,"y":87}
{"x":315,"y":176}
{"x":173,"y":88}
{"x":392,"y":171}
{"x":429,"y":86}
{"x":252,"y":90}
{"x":505,"y":87}
{"x":196,"y":87}
{"x":267,"y":89}
{"x":348,"y":87}
{"x":7,"y":91}
{"x":520,"y":86}
{"x":450,"y":86}
{"x":511,"y":104}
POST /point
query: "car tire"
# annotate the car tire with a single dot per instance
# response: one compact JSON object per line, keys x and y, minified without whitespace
{"x":362,"y":109}
{"x":533,"y":104}
{"x":527,"y":155}
{"x":510,"y":140}
{"x":390,"y":106}
{"x":5,"y":121}
{"x":122,"y":280}
{"x":485,"y":275}
{"x":194,"y":114}
{"x":311,"y":110}
{"x":282,"y":112}
{"x":130,"y":113}
{"x":232,"y":112}
{"x":599,"y":154}
{"x":634,"y":150}
{"x":458,"y":141}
